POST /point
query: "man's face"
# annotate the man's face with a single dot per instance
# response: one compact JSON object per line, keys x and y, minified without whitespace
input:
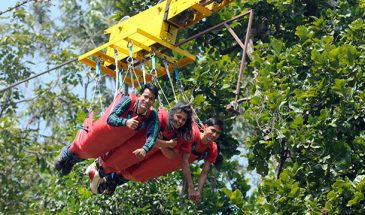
{"x":211,"y":133}
{"x":146,"y":100}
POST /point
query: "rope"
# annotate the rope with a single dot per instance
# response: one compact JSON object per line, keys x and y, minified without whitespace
{"x":163,"y":93}
{"x":18,"y":4}
{"x":144,"y":73}
{"x":170,"y":79}
{"x":130,"y":69}
{"x":181,"y":86}
{"x":155,"y":80}
{"x":35,"y":76}
{"x":116,"y":79}
{"x":181,"y":89}
{"x":116,"y":72}
{"x":97,"y":79}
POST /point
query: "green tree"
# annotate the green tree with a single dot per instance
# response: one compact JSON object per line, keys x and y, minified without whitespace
{"x":302,"y":129}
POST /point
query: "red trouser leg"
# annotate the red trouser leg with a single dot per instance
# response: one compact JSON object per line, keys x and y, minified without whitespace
{"x":153,"y":167}
{"x":122,"y":157}
{"x":99,"y":138}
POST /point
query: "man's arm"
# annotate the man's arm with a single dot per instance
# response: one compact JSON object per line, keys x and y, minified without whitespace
{"x":169,"y":153}
{"x":185,"y":166}
{"x":165,"y":143}
{"x":202,"y":179}
{"x":115,"y":119}
{"x":152,"y":129}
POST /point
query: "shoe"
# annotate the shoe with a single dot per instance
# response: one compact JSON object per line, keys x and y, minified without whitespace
{"x":66,"y":161}
{"x":95,"y":177}
{"x":107,"y":187}
{"x":110,"y":183}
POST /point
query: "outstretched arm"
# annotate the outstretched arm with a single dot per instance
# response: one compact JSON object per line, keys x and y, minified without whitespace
{"x":152,"y":128}
{"x":202,"y":179}
{"x":169,"y":153}
{"x":185,"y":166}
{"x":166,"y":143}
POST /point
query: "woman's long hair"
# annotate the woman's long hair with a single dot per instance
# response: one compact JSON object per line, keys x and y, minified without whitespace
{"x":184,"y":131}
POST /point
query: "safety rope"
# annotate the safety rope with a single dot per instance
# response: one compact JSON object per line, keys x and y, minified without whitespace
{"x":155,"y":80}
{"x":97,"y":79}
{"x":130,"y":61}
{"x":116,"y":72}
{"x":116,"y":79}
{"x":182,"y":91}
{"x":143,"y":73}
{"x":170,"y":79}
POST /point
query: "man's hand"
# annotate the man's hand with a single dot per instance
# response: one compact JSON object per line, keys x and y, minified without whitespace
{"x":132,"y":123}
{"x":140,"y":153}
{"x":197,"y":197}
{"x":192,"y":194}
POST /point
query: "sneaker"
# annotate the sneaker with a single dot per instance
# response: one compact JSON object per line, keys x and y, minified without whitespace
{"x":95,"y":177}
{"x":107,"y":187}
{"x":65,"y":161}
{"x":110,"y":183}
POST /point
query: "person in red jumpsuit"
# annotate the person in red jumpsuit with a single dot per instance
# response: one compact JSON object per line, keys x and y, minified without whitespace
{"x":131,"y":115}
{"x":203,"y":146}
{"x":174,"y":129}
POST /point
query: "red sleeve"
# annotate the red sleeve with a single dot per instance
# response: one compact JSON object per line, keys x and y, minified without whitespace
{"x":184,"y":146}
{"x":162,"y":118}
{"x":187,"y":145}
{"x":213,"y":153}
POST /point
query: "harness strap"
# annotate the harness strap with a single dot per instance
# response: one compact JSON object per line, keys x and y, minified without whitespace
{"x":202,"y":155}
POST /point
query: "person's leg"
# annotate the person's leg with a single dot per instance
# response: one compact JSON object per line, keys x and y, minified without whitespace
{"x":122,"y":157}
{"x":91,"y":142}
{"x":153,"y":167}
{"x":66,"y":161}
{"x":101,"y":183}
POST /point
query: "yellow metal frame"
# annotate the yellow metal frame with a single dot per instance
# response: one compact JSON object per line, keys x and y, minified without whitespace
{"x":151,"y":31}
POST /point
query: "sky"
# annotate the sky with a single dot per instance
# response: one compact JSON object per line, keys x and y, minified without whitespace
{"x":5,"y":4}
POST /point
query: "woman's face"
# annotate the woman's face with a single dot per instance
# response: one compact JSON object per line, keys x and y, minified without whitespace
{"x":179,"y":119}
{"x":211,"y":133}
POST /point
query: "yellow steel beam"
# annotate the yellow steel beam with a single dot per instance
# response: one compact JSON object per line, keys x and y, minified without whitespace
{"x":149,"y":32}
{"x":202,"y":9}
{"x":173,"y":48}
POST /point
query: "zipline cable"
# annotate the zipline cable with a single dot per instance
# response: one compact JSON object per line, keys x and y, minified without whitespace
{"x":39,"y":74}
{"x":18,"y":4}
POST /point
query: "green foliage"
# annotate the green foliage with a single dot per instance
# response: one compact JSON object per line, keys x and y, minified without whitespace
{"x":301,"y":130}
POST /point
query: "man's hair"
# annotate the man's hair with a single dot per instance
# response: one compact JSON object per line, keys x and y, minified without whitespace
{"x":184,"y":131}
{"x":214,"y":121}
{"x":151,"y":87}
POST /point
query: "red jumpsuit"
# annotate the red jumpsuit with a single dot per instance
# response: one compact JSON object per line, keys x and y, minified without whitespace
{"x":158,"y":165}
{"x":98,"y":138}
{"x":122,"y":158}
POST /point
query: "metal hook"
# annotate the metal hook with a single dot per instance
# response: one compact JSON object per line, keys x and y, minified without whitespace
{"x":130,"y":44}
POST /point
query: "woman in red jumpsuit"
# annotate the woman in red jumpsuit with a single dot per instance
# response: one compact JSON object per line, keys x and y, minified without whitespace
{"x":167,"y":160}
{"x":174,"y":129}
